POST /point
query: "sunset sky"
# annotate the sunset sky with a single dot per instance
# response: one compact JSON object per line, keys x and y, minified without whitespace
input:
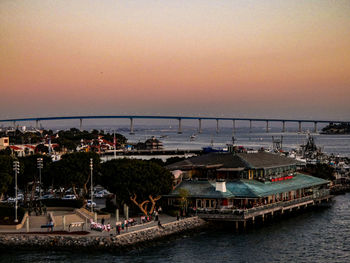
{"x":288,"y":59}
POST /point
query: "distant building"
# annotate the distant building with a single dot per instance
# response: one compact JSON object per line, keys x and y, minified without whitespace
{"x":153,"y":144}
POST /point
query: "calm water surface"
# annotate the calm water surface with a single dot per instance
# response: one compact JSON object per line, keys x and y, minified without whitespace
{"x":315,"y":236}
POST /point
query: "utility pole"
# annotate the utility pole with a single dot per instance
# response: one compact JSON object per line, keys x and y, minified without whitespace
{"x":16,"y":170}
{"x":40,"y":166}
{"x":92,"y":187}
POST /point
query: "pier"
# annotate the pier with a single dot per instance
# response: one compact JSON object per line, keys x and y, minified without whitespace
{"x":264,"y":212}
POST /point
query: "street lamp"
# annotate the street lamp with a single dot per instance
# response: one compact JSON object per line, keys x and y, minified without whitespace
{"x":40,"y":166}
{"x":16,"y":170}
{"x":92,"y":188}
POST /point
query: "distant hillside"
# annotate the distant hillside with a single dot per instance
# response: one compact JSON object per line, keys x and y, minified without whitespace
{"x":337,"y":128}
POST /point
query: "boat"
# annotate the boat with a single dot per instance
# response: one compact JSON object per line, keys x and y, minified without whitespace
{"x":193,"y":137}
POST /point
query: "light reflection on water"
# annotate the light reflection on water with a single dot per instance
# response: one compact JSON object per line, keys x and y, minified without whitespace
{"x":316,"y":236}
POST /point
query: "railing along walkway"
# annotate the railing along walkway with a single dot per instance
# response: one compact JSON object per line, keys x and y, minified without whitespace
{"x":241,"y":214}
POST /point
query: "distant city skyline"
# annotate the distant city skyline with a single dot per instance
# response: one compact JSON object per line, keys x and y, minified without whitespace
{"x":276,"y":59}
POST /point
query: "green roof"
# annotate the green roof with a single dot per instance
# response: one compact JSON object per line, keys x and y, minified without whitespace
{"x":247,"y":188}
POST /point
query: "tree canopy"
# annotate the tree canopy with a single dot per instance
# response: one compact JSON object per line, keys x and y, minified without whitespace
{"x":73,"y":170}
{"x":136,"y":181}
{"x":5,"y":173}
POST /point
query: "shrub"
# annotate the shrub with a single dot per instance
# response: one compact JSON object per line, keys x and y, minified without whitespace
{"x":7,"y":214}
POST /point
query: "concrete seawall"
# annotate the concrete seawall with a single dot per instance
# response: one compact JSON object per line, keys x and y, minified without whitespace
{"x":120,"y":242}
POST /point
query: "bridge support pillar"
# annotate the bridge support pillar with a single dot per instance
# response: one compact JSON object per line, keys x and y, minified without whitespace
{"x":14,"y":125}
{"x":81,"y":125}
{"x":131,"y":126}
{"x":233,"y":126}
{"x":199,"y":125}
{"x":217,"y":125}
{"x":37,"y":124}
{"x":315,"y":127}
{"x":253,"y":220}
{"x":180,"y":128}
{"x":267,"y":126}
{"x":283,"y":126}
{"x":237,"y":225}
{"x":299,"y":130}
{"x":250,"y":126}
{"x":244,"y":224}
{"x":263,"y":218}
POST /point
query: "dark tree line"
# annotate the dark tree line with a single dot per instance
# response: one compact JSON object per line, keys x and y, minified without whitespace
{"x":134,"y":182}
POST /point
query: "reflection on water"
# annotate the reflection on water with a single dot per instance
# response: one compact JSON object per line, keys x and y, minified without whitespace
{"x":317,"y":236}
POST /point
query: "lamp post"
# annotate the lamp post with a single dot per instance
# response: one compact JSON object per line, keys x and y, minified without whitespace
{"x":40,"y":166}
{"x":92,"y":187}
{"x":16,"y":170}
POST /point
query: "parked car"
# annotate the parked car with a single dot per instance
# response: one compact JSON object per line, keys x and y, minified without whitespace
{"x":48,"y":196}
{"x":101,"y":194}
{"x":89,"y":203}
{"x":98,"y":195}
{"x":69,"y":197}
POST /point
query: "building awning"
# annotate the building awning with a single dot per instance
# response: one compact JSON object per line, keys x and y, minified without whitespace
{"x":230,"y":169}
{"x":247,"y":188}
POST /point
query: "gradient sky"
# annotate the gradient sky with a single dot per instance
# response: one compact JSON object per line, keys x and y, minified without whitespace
{"x":191,"y":57}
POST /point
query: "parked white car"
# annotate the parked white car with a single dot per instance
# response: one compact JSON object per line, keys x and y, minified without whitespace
{"x":98,"y":195}
{"x":101,"y":194}
{"x":89,"y":203}
{"x":69,"y":197}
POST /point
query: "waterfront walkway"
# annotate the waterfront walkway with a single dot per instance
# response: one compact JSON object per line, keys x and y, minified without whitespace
{"x":37,"y":221}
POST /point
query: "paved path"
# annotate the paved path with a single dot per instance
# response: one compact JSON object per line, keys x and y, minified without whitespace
{"x":37,"y":221}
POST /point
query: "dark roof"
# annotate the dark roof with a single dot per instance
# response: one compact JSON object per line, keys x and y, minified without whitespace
{"x":231,"y":160}
{"x":266,"y":160}
{"x":217,"y":160}
{"x":247,"y":188}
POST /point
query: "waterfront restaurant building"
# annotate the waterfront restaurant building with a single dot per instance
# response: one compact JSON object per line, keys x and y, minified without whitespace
{"x":239,"y":186}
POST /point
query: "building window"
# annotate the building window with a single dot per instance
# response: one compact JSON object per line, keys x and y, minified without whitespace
{"x":207,"y":203}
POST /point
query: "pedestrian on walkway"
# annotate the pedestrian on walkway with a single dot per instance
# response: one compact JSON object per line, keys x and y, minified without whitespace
{"x":103,"y":221}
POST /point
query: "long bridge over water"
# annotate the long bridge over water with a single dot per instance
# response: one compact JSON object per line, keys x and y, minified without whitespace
{"x":179,"y":119}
